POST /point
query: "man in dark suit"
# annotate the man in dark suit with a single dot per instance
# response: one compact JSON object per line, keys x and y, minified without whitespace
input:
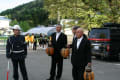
{"x":81,"y":55}
{"x":74,"y":28}
{"x":59,"y":41}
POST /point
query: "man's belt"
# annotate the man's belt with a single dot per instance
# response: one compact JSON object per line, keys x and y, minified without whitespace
{"x":18,"y":51}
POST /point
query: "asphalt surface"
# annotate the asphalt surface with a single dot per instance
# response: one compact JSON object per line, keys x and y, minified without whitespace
{"x":38,"y":67}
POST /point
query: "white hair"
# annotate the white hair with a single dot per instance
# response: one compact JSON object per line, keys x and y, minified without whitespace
{"x":59,"y":25}
{"x":80,"y":29}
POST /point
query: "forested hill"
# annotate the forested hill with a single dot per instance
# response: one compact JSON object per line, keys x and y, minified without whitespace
{"x":28,"y":15}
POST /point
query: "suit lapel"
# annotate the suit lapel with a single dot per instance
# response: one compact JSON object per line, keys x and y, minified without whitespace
{"x":54,"y":37}
{"x":75,"y":44}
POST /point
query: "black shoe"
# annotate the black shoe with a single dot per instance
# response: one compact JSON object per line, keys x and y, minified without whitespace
{"x":57,"y":78}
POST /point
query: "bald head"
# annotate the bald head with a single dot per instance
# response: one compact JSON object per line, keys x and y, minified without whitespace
{"x":79,"y":32}
{"x":58,"y":28}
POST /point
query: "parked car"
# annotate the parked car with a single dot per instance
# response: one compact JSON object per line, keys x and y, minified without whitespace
{"x":105,"y":41}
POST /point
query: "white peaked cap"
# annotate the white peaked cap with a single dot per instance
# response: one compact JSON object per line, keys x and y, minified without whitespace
{"x":16,"y":27}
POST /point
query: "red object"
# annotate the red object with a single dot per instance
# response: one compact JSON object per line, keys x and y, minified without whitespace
{"x":7,"y":74}
{"x":94,"y":39}
{"x":108,"y":48}
{"x":8,"y":70}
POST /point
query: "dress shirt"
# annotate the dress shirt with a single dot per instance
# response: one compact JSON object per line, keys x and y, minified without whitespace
{"x":57,"y":35}
{"x":79,"y":41}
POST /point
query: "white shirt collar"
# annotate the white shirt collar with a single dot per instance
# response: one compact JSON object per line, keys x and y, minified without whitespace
{"x":79,"y":39}
{"x":58,"y":32}
{"x":57,"y":35}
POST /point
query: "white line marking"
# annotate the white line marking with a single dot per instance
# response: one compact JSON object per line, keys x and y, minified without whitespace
{"x":2,"y":50}
{"x":117,"y":64}
{"x":2,"y":53}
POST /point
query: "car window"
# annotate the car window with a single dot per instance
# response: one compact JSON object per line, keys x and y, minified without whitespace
{"x":99,"y":33}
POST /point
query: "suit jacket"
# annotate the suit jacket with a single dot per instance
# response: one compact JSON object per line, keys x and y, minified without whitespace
{"x":74,"y":39}
{"x":82,"y":55}
{"x":60,"y":43}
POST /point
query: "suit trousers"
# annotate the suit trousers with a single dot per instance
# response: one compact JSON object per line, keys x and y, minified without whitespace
{"x":57,"y":61}
{"x":21,"y":63}
{"x":78,"y":72}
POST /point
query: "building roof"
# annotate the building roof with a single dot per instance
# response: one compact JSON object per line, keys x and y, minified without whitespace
{"x":4,"y":18}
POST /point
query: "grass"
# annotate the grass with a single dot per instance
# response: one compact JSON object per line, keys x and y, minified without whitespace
{"x":3,"y":38}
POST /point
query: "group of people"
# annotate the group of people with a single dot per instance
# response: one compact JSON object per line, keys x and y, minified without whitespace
{"x":34,"y":39}
{"x":16,"y":49}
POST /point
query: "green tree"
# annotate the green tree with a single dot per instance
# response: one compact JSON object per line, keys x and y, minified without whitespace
{"x":24,"y":25}
{"x":13,"y":22}
{"x":89,"y":13}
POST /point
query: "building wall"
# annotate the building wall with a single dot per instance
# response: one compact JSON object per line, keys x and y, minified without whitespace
{"x":4,"y":24}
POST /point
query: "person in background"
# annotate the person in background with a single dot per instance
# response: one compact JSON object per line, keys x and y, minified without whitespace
{"x":41,"y":40}
{"x":45,"y":41}
{"x":35,"y":43}
{"x":74,"y":28}
{"x":32,"y":38}
{"x":81,"y":55}
{"x":58,"y":41}
{"x":27,"y":39}
{"x":16,"y":50}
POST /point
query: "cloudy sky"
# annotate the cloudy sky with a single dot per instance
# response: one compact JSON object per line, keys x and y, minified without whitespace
{"x":8,"y":4}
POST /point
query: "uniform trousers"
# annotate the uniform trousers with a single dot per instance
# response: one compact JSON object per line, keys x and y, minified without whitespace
{"x":21,"y":63}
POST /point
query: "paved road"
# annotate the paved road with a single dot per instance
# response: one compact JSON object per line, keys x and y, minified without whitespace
{"x":38,"y":66}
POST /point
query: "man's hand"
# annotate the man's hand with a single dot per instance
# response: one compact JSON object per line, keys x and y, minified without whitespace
{"x":24,"y":56}
{"x":8,"y":56}
{"x":68,"y":46}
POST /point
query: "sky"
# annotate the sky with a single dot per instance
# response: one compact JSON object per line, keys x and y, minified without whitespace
{"x":8,"y":4}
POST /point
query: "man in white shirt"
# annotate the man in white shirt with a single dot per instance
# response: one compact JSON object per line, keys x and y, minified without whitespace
{"x":58,"y":41}
{"x":79,"y":41}
{"x":81,"y":55}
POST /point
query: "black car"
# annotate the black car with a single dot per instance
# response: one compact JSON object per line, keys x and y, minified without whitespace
{"x":105,"y":41}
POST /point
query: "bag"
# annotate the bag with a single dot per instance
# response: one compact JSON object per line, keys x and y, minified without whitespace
{"x":65,"y":52}
{"x":50,"y":51}
{"x":88,"y":74}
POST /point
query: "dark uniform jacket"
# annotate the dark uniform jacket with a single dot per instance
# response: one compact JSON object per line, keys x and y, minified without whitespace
{"x":82,"y":55}
{"x":16,"y":47}
{"x":59,"y":44}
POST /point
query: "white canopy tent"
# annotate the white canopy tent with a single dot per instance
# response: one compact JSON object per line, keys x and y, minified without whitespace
{"x":43,"y":30}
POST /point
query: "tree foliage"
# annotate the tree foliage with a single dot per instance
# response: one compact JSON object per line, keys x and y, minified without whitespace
{"x":89,"y":13}
{"x":28,"y":15}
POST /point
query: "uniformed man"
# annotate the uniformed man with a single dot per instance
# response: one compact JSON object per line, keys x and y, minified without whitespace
{"x":16,"y":49}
